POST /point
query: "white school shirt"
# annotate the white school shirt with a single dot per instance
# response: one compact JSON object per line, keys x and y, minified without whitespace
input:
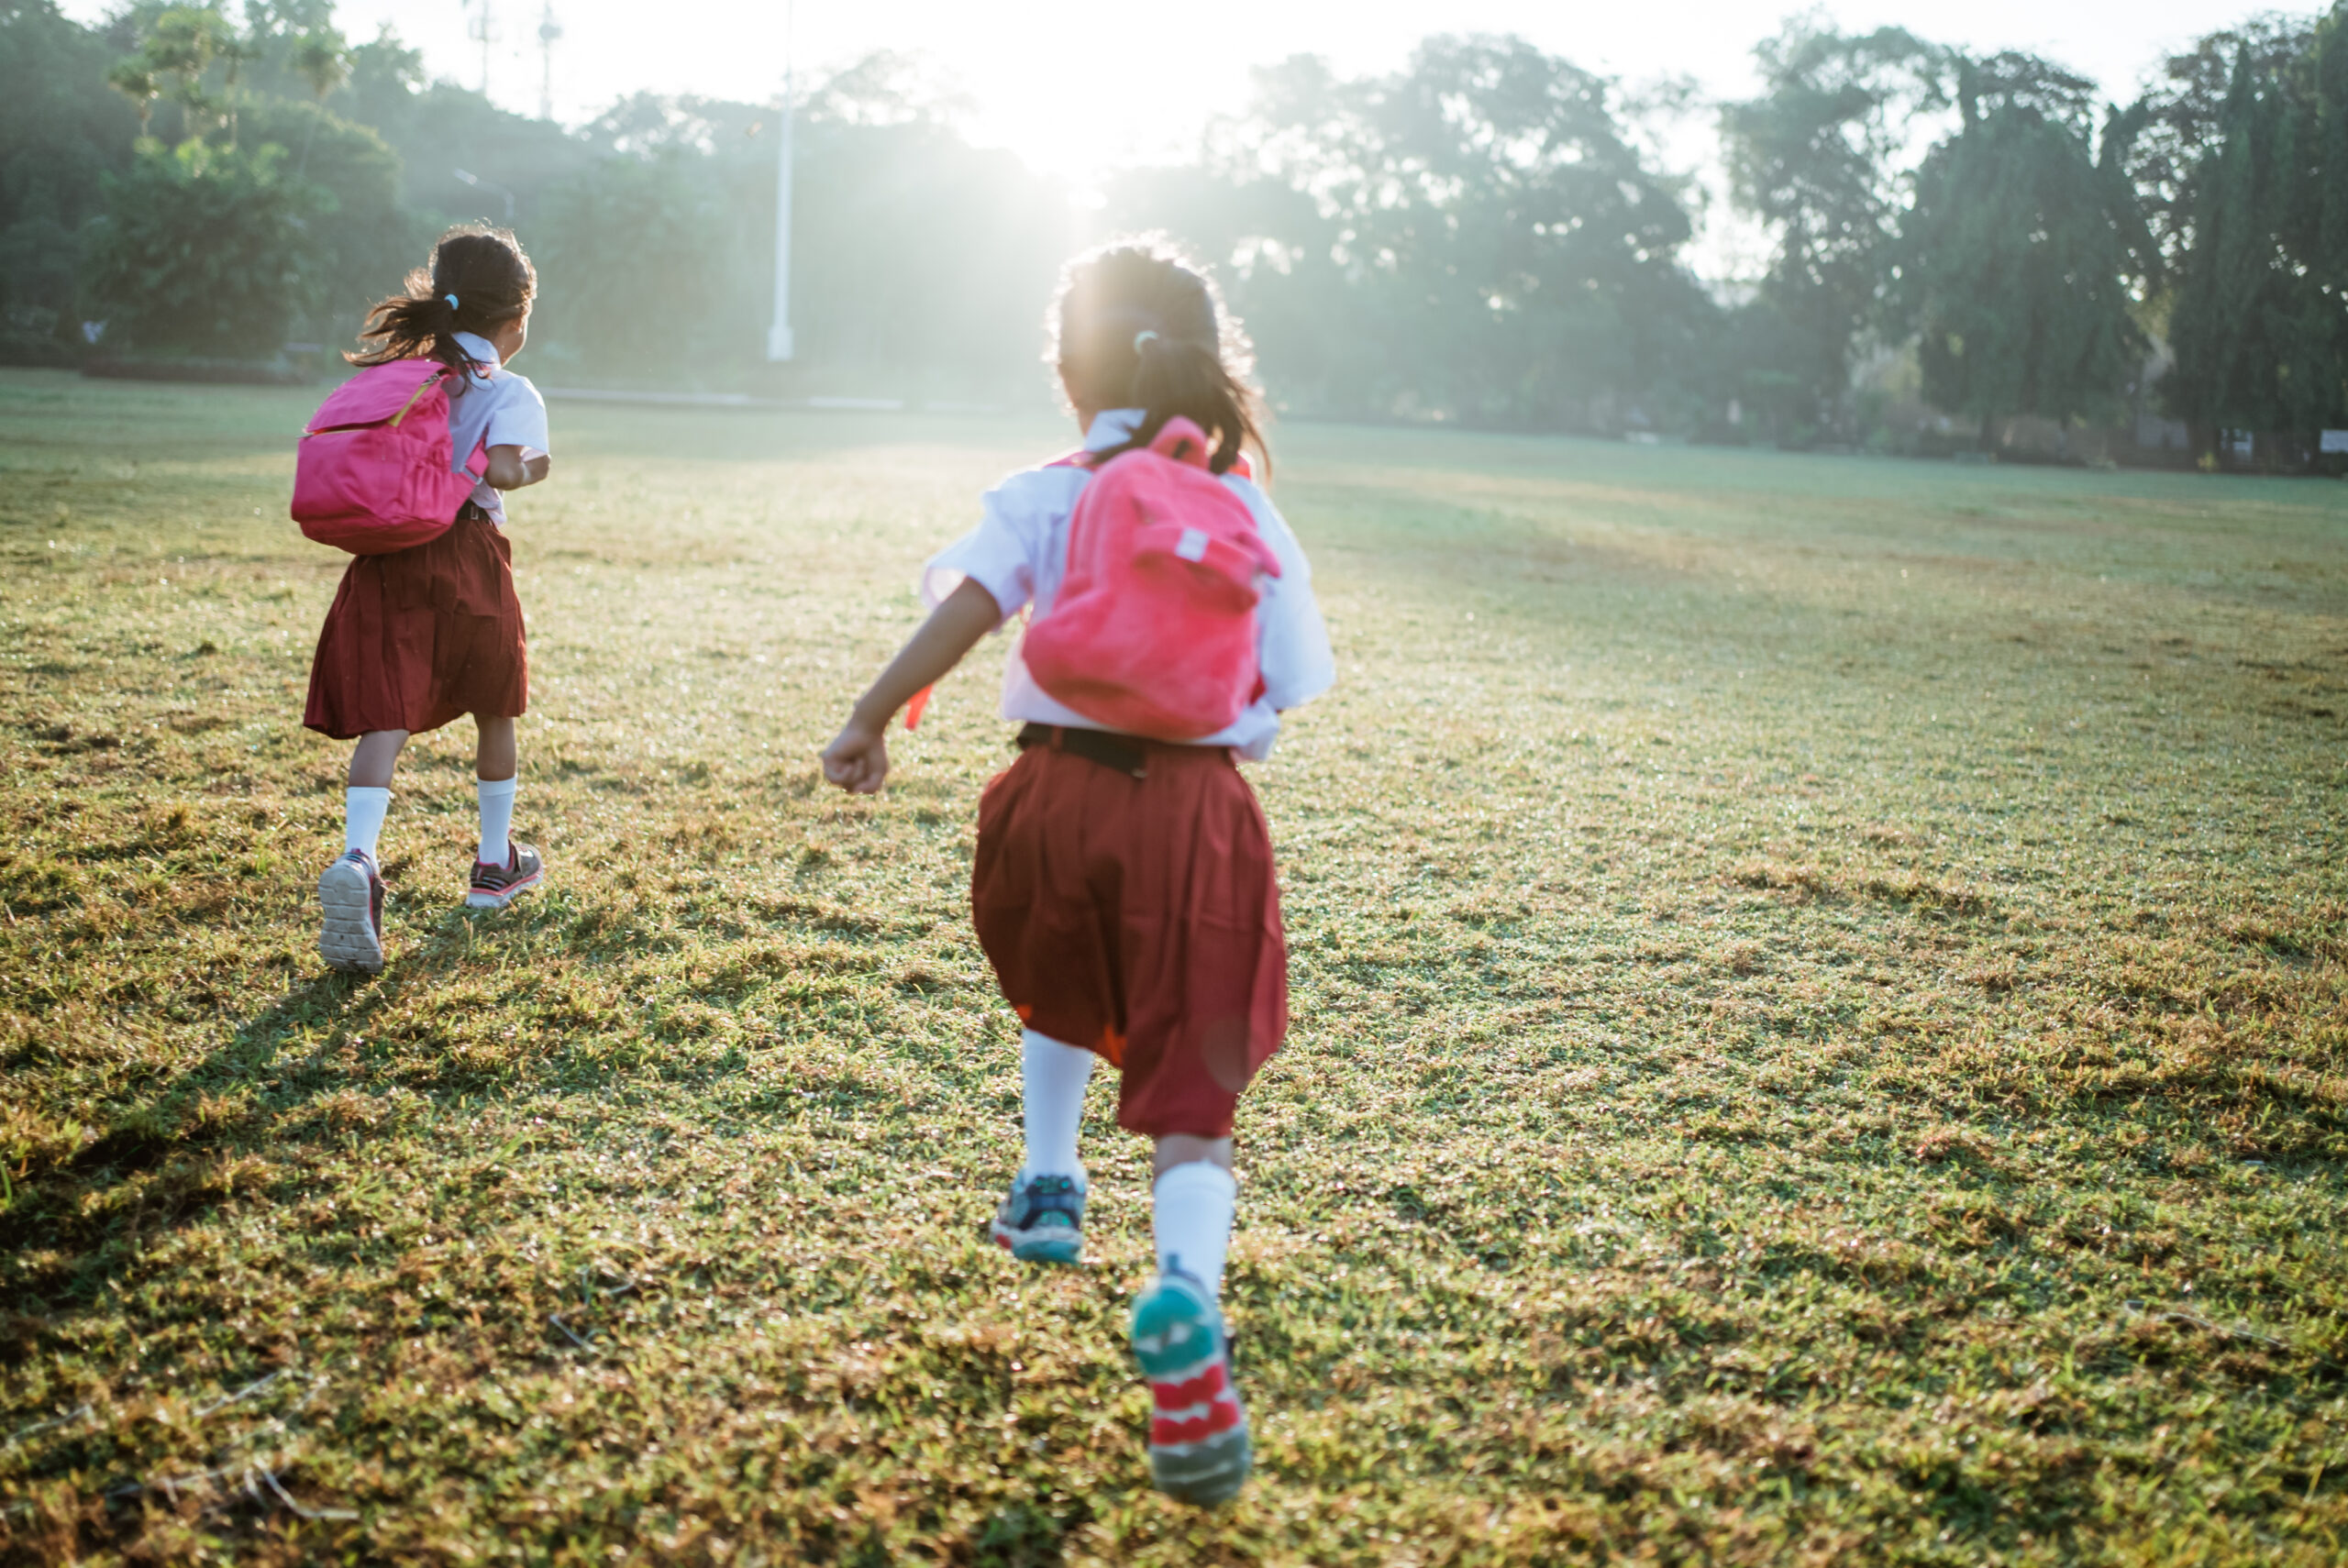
{"x":1019,"y":550}
{"x":497,"y":408}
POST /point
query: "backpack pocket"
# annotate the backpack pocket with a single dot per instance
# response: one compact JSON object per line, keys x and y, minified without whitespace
{"x":1224,"y":573}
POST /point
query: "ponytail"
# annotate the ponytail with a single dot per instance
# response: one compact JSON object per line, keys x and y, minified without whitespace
{"x":478,"y":281}
{"x":1183,"y":378}
{"x":1137,"y":326}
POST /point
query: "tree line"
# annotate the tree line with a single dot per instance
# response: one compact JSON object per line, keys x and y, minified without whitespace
{"x":1957,"y":243}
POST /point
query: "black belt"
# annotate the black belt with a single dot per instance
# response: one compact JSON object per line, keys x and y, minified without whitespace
{"x":1123,"y":753}
{"x":473,"y":512}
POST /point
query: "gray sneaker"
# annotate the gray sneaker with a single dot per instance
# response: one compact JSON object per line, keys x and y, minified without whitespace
{"x":350,"y":906}
{"x":494,"y":887}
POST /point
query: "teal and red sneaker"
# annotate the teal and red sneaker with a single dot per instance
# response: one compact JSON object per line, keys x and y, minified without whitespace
{"x":1199,"y":1447}
{"x":1042,"y":1220}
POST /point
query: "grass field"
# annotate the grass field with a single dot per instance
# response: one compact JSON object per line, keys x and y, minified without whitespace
{"x":1822,"y":998}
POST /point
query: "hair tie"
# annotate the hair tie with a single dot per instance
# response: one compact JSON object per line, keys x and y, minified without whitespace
{"x":1142,"y":336}
{"x":452,"y":301}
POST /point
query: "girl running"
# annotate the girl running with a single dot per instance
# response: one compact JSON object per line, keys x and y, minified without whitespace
{"x":1124,"y":887}
{"x":419,"y":636}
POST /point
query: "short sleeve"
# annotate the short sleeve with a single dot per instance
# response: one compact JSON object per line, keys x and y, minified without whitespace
{"x":1292,"y":641}
{"x":519,"y":418}
{"x":1000,"y":554}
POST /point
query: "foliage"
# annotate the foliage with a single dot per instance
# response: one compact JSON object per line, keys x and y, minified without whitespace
{"x":2023,"y":250}
{"x":921,"y":258}
{"x":2260,"y":317}
{"x":1817,"y":159}
{"x":920,"y":264}
{"x":1486,"y":209}
{"x":60,"y":131}
{"x":2185,"y":111}
{"x":207,"y":250}
{"x":1820,"y":1020}
{"x":1483,"y":237}
{"x":640,"y":259}
{"x":360,"y":232}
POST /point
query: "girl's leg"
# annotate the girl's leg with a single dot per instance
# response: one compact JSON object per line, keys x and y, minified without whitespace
{"x":496,"y":753}
{"x":1053,"y":1076}
{"x":496,"y":757}
{"x":377,"y":754}
{"x":1200,"y":1450}
{"x":1192,"y":1205}
{"x":368,"y":800}
{"x":351,"y":891}
{"x":1042,"y":1218}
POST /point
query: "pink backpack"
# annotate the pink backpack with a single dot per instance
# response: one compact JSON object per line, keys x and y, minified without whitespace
{"x":372,"y":473}
{"x":1153,"y":631}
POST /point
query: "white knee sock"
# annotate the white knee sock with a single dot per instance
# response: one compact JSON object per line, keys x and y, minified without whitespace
{"x":364,"y":810}
{"x":1054,"y":1075}
{"x":496,"y":819}
{"x":1194,"y":1205}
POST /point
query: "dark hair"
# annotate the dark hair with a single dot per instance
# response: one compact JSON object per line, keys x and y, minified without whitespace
{"x":1136,"y":324}
{"x":482,"y":268}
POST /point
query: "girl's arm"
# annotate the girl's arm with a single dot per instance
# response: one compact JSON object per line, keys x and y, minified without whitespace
{"x":511,"y":468}
{"x":858,"y":760}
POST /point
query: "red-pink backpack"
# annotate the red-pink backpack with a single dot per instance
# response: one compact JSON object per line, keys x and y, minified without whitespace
{"x":372,"y":474}
{"x":1153,"y":631}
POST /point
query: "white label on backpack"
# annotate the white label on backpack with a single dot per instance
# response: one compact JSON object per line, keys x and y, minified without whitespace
{"x":1193,"y":546}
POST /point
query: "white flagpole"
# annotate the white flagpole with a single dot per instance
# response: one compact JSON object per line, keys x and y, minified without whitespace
{"x":779,"y":344}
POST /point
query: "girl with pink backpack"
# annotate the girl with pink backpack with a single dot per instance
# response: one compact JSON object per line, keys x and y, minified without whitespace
{"x":1124,"y":887}
{"x":404,"y":466}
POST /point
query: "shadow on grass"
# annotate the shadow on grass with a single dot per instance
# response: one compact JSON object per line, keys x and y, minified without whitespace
{"x":199,"y":1132}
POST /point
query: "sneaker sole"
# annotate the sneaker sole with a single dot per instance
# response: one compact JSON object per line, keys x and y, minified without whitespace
{"x":346,"y":936}
{"x":1028,"y":1247}
{"x":1213,"y":1470}
{"x":1207,"y":1474}
{"x":479,"y":900}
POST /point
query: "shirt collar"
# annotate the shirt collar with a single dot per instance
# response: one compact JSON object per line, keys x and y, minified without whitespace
{"x":1112,"y":427}
{"x":480,"y":349}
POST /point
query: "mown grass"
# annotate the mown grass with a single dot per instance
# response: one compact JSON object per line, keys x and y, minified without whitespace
{"x":1822,"y":998}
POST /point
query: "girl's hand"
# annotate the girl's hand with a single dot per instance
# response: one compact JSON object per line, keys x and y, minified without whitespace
{"x":858,"y":760}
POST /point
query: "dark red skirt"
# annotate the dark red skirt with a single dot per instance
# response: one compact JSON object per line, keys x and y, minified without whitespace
{"x":421,"y":636}
{"x":1139,"y":918}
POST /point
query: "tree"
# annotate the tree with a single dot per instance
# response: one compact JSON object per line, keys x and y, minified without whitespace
{"x":2023,"y":252}
{"x":206,"y":250}
{"x":362,"y":237}
{"x":2260,"y":317}
{"x":179,"y":54}
{"x":1816,"y":157}
{"x":60,"y":129}
{"x":1475,"y":238}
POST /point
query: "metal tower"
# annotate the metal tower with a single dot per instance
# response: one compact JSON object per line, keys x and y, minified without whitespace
{"x":778,"y":342}
{"x":482,"y":29}
{"x":549,"y":31}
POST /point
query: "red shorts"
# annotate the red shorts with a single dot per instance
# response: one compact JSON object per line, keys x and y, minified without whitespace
{"x":1139,"y":917}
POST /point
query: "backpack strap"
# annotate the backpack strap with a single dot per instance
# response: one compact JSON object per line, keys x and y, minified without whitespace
{"x":1083,"y":458}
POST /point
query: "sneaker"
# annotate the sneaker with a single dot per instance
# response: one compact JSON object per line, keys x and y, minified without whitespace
{"x":1199,"y":1447}
{"x":1042,"y":1220}
{"x":350,"y":906}
{"x":494,"y":887}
